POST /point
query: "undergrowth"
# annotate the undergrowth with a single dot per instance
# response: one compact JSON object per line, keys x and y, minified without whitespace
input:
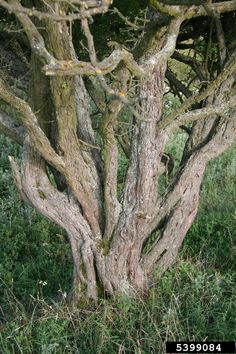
{"x":195,"y":300}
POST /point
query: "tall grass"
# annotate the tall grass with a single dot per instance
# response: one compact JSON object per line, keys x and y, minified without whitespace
{"x":190,"y":303}
{"x":195,"y":300}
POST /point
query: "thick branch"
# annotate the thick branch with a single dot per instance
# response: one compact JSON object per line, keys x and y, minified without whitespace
{"x":220,"y":7}
{"x":169,"y":46}
{"x":47,"y":199}
{"x":11,"y":128}
{"x":181,"y":2}
{"x":18,"y":9}
{"x":187,"y":181}
{"x":34,"y":183}
{"x":166,"y":9}
{"x":72,"y":115}
{"x":36,"y":40}
{"x":97,"y":95}
{"x":106,"y":66}
{"x":17,"y":178}
{"x":30,"y":123}
{"x":110,"y":158}
{"x":193,"y":11}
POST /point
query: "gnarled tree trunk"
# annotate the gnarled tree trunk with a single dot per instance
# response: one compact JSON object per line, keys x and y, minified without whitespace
{"x":69,"y":170}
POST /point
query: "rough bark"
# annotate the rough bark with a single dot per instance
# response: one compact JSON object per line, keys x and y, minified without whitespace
{"x":70,"y":175}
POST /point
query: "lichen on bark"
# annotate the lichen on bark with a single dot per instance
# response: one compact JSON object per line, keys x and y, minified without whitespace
{"x":69,"y":169}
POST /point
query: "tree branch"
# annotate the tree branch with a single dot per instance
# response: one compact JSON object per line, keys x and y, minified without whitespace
{"x":219,"y":30}
{"x":96,"y":95}
{"x":48,"y":200}
{"x":222,"y":110}
{"x":11,"y":128}
{"x":113,"y":94}
{"x":192,"y":62}
{"x":110,"y":158}
{"x":18,"y":9}
{"x":125,"y":19}
{"x":182,"y":185}
{"x":17,"y":179}
{"x":169,"y":46}
{"x":172,"y":11}
{"x":36,"y":40}
{"x":228,"y":70}
{"x":175,"y":9}
{"x":62,"y":68}
{"x":30,"y":124}
{"x":178,"y":84}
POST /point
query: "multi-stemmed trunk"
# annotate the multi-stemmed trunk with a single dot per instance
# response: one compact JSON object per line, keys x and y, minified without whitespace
{"x":116,"y":242}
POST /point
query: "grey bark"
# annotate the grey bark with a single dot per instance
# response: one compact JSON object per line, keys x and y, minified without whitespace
{"x":108,"y":234}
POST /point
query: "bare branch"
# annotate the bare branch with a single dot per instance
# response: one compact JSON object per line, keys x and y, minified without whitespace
{"x":228,"y":70}
{"x":118,"y":95}
{"x":17,"y":178}
{"x":192,"y":11}
{"x":11,"y":128}
{"x":32,"y":127}
{"x":219,"y":30}
{"x":220,"y":7}
{"x":89,"y":37}
{"x":182,"y":2}
{"x":178,"y":84}
{"x":18,"y":9}
{"x":221,"y":42}
{"x":110,"y":158}
{"x":97,"y":96}
{"x":124,"y":145}
{"x":222,"y":110}
{"x":109,"y":151}
{"x":125,"y":19}
{"x":62,"y":68}
{"x":192,"y":62}
{"x":34,"y":37}
{"x":55,"y":205}
{"x":166,"y":9}
{"x":87,"y":4}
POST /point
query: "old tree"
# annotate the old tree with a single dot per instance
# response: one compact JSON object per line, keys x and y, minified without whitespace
{"x":120,"y":233}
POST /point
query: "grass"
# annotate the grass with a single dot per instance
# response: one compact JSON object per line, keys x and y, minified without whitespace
{"x":190,"y":303}
{"x":195,"y":300}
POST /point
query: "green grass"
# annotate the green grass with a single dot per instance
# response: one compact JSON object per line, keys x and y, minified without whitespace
{"x":195,"y":300}
{"x":33,"y":251}
{"x":191,"y":303}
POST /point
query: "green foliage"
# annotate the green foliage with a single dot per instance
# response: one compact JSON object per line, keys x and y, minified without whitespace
{"x":191,"y":303}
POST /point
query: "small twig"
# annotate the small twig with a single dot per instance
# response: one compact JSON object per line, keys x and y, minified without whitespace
{"x":125,"y":133}
{"x":125,"y":19}
{"x":89,"y":145}
{"x":228,"y":70}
